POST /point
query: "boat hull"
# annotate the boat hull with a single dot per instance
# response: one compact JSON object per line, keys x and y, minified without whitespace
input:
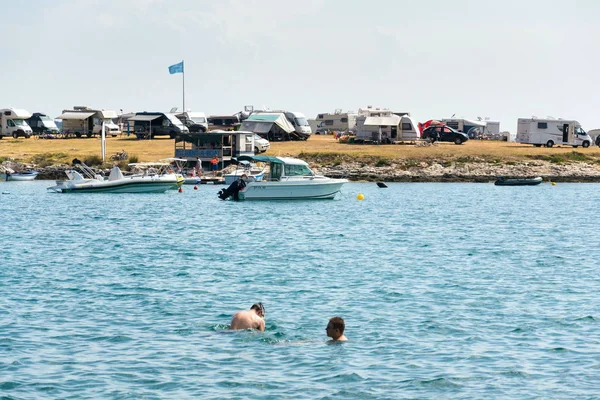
{"x":296,"y":190}
{"x":21,"y":177}
{"x":518,"y":182}
{"x":123,"y":186}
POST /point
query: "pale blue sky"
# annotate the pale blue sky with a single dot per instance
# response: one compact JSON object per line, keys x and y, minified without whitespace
{"x":501,"y":59}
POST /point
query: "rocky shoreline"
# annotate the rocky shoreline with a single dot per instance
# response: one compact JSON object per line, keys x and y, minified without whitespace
{"x":464,"y":172}
{"x":431,"y":171}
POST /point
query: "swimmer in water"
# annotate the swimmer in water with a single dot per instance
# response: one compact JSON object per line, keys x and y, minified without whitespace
{"x":251,"y":319}
{"x":335,"y":329}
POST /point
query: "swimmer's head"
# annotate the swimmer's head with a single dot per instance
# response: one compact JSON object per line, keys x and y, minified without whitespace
{"x":259,"y":308}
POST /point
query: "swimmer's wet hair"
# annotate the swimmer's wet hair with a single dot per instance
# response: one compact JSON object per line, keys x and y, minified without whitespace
{"x":258,"y":307}
{"x":338,"y":323}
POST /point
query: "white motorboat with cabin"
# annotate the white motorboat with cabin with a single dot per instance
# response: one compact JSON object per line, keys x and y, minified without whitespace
{"x":253,"y":172}
{"x":287,"y":179}
{"x":152,"y":178}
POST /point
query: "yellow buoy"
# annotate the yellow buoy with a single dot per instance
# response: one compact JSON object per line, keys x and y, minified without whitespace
{"x":360,"y":197}
{"x":553,"y":183}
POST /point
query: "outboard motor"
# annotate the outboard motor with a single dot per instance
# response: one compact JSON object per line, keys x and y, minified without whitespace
{"x":233,"y":190}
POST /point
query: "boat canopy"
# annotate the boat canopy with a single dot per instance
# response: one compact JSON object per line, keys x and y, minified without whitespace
{"x":76,"y":115}
{"x":269,"y":159}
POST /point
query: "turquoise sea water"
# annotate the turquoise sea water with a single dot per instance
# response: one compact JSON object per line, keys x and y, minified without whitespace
{"x":448,"y":291}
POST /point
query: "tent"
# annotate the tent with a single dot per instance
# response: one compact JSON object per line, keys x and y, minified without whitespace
{"x":273,"y":125}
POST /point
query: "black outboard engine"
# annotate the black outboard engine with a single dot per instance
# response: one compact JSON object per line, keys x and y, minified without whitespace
{"x":233,"y":190}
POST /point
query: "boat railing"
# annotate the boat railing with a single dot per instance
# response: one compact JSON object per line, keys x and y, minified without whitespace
{"x":87,"y":171}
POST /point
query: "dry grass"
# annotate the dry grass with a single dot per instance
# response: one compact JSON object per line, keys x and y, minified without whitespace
{"x":321,"y":147}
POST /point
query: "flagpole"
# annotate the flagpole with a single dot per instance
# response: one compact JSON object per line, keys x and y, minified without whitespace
{"x":183,"y":80}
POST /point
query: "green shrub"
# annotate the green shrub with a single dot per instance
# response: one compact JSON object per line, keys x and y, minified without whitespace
{"x":382,"y":163}
{"x":133,"y":159}
{"x":47,"y":159}
{"x":93,"y":160}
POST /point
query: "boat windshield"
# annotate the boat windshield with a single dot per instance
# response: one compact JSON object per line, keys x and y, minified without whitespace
{"x":301,"y":121}
{"x":298,"y":170}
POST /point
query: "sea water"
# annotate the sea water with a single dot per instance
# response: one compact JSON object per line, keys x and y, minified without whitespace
{"x":447,"y":290}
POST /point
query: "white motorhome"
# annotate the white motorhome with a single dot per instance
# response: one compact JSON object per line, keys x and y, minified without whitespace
{"x":82,"y":120}
{"x":336,"y":122}
{"x":299,"y":122}
{"x":12,"y":123}
{"x":191,"y":118}
{"x":384,"y":126}
{"x":550,"y":132}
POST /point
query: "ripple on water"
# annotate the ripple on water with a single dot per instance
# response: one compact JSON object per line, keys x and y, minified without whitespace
{"x":134,"y":300}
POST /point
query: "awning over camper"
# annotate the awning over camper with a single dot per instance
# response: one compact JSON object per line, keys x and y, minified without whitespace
{"x":76,"y":115}
{"x":262,"y":123}
{"x":144,"y":117}
{"x":392,"y":120}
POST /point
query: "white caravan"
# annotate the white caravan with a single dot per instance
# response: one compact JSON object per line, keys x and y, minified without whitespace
{"x":83,"y":121}
{"x":381,"y":125}
{"x":550,"y":132}
{"x":336,"y":122}
{"x":12,"y":123}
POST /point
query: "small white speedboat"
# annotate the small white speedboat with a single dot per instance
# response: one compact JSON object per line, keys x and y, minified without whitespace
{"x":87,"y":181}
{"x":21,"y":176}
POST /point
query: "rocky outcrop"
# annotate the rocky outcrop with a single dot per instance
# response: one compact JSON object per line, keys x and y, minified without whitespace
{"x":463,"y":172}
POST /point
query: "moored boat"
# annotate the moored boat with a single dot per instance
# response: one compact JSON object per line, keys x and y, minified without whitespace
{"x":155,"y":179}
{"x":502,"y":181}
{"x":20,"y":176}
{"x":287,"y":179}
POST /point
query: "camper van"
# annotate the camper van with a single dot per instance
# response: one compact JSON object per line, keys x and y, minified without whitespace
{"x":147,"y":125}
{"x":195,"y":121}
{"x":336,"y":122}
{"x":13,"y":123}
{"x":550,"y":132}
{"x":299,"y":122}
{"x":41,"y":124}
{"x":83,"y":121}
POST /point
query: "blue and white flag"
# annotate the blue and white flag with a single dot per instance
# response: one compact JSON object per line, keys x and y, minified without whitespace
{"x":175,"y":68}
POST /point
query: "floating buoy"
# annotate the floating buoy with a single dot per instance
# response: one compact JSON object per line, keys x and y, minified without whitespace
{"x":360,"y":197}
{"x":553,"y":183}
{"x":195,"y":187}
{"x":180,"y":189}
{"x":381,"y":185}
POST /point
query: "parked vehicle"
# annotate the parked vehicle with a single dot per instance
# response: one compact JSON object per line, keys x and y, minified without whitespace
{"x":147,"y":125}
{"x":195,"y":121}
{"x":444,"y":133}
{"x":299,"y":122}
{"x":336,"y":122}
{"x":13,"y":123}
{"x":550,"y":132}
{"x":84,"y":121}
{"x":260,"y":144}
{"x":42,"y":124}
{"x":473,"y":129}
{"x":384,"y":126}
